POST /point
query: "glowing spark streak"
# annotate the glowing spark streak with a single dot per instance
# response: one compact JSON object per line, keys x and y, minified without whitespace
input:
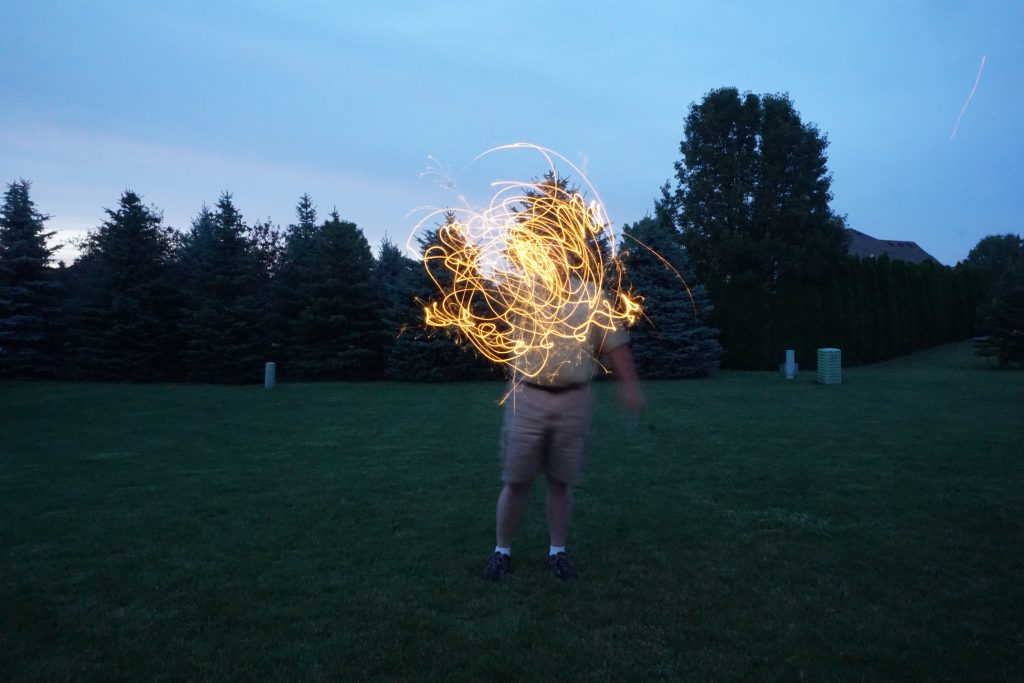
{"x":518,"y":275}
{"x":668,"y":265}
{"x":969,"y":97}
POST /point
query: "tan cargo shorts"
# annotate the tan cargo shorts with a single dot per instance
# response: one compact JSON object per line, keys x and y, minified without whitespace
{"x":545,"y":431}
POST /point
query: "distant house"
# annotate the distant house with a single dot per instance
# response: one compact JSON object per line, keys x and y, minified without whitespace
{"x":866,"y":246}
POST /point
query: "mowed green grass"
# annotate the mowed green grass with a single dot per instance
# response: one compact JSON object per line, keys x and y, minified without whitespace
{"x":746,"y":528}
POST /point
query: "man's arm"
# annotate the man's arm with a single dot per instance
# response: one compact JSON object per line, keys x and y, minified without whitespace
{"x":620,"y":360}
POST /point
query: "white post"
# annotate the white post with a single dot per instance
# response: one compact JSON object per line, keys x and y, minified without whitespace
{"x":790,"y":363}
{"x":269,"y":375}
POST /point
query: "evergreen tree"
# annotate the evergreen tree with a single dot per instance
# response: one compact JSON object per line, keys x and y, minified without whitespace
{"x":743,"y":314}
{"x":267,"y":244}
{"x":288,"y":294}
{"x":123,"y":305}
{"x":833,"y":315}
{"x":338,"y":329}
{"x":854,"y":304}
{"x":672,"y":340}
{"x":30,"y":292}
{"x":933,"y":306}
{"x":872,"y":322}
{"x":889,"y":317}
{"x":224,"y":319}
{"x":906,"y":329}
{"x":969,"y":294}
{"x":395,"y":279}
{"x":920,"y":308}
{"x":797,"y":321}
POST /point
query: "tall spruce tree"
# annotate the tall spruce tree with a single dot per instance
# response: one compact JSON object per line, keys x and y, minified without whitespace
{"x":288,"y":294}
{"x":123,"y":307}
{"x":338,"y":332}
{"x":395,"y":277}
{"x":30,"y":291}
{"x":672,"y":340}
{"x":224,"y":317}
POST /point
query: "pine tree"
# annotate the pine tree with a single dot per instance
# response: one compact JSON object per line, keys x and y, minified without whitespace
{"x":338,"y":332}
{"x":123,"y":306}
{"x":288,"y":296}
{"x":394,"y":275}
{"x":30,"y":292}
{"x":672,"y":340}
{"x":224,"y":320}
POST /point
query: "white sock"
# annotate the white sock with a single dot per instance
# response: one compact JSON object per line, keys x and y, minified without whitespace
{"x":507,"y":552}
{"x":555,"y":549}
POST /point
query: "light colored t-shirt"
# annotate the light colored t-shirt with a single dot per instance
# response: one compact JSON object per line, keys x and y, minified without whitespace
{"x":565,"y":345}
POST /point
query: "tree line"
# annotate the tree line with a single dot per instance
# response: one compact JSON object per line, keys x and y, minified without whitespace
{"x":872,"y":309}
{"x":144,"y":302}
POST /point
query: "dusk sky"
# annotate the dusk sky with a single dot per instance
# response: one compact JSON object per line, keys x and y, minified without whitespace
{"x":348,"y":102}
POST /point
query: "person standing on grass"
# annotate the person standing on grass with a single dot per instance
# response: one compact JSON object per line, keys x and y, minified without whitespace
{"x":545,"y":429}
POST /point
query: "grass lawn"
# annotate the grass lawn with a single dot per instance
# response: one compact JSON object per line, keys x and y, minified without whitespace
{"x":746,"y":528}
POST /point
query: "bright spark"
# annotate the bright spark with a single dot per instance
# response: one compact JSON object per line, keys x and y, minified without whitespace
{"x":969,"y":97}
{"x":516,"y":276}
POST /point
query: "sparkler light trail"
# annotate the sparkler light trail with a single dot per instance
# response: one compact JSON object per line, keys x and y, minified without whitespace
{"x":969,"y":97}
{"x":532,"y":267}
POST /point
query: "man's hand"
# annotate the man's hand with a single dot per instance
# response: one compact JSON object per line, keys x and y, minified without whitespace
{"x":631,"y":397}
{"x":620,"y":359}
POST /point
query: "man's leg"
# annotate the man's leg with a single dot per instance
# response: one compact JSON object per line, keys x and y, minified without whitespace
{"x":511,"y":503}
{"x":559,"y":506}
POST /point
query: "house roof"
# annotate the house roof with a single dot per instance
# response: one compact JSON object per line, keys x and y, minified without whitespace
{"x":866,"y":246}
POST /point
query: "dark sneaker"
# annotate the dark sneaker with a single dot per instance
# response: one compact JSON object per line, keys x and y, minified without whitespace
{"x":561,"y":567}
{"x":497,"y":566}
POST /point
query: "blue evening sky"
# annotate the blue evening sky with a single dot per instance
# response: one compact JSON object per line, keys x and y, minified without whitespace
{"x":349,"y":101}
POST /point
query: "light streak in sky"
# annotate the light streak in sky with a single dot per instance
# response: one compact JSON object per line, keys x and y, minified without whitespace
{"x":527,"y":270}
{"x":968,"y":101}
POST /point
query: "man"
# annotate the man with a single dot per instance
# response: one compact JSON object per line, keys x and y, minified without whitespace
{"x":546,"y":424}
